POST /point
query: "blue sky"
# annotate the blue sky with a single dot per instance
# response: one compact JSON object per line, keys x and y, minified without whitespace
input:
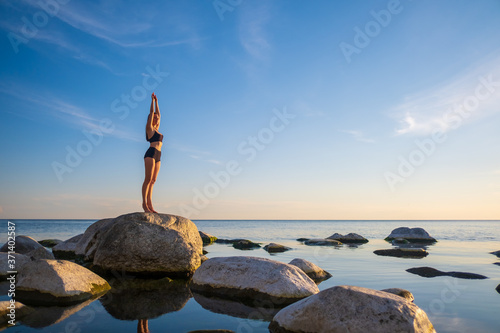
{"x":270,"y":110}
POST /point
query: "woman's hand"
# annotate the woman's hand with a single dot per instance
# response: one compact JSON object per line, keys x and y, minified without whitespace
{"x":153,"y":97}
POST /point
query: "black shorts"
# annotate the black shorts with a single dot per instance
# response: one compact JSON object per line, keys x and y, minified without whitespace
{"x":154,"y":153}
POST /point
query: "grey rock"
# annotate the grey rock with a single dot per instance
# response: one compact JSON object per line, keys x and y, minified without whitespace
{"x":322,"y":242}
{"x":316,"y":273}
{"x":207,"y":238}
{"x":23,"y":244}
{"x":403,"y":253}
{"x":354,"y":310}
{"x":349,"y":238}
{"x":40,"y":253}
{"x":401,"y":292}
{"x":254,"y":279}
{"x":53,"y":282}
{"x":66,"y":249}
{"x":430,"y":272}
{"x":149,"y":244}
{"x":416,"y":235}
{"x":245,"y":244}
{"x":50,"y":242}
{"x":274,"y":248}
{"x":399,"y":241}
{"x":86,"y":246}
{"x":19,"y":261}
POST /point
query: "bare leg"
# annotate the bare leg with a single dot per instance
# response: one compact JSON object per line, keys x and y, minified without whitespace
{"x":149,"y":164}
{"x":151,"y":184}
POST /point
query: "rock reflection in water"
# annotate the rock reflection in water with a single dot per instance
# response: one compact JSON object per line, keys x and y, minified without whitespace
{"x":43,"y":316}
{"x":137,"y":299}
{"x":237,"y":309}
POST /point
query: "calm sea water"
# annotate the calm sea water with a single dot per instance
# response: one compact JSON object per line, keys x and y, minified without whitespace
{"x":453,"y":305}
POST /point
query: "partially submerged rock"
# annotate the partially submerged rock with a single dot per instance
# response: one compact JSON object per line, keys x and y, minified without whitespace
{"x":414,"y":235}
{"x":400,"y":292}
{"x":49,"y":242}
{"x":245,"y":244}
{"x":86,"y":246}
{"x":352,"y":309}
{"x":66,"y":249}
{"x":402,"y":253}
{"x":274,"y":248}
{"x":22,"y":245}
{"x":253,"y":278}
{"x":146,"y":244}
{"x":430,"y":272}
{"x":322,"y":242}
{"x":207,"y":238}
{"x":316,"y":273}
{"x":496,"y":253}
{"x":54,"y":282}
{"x":349,"y":238}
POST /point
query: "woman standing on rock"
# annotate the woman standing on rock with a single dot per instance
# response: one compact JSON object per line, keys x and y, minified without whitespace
{"x":153,"y":154}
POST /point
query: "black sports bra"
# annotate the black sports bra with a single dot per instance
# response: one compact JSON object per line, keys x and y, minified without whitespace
{"x":157,"y":137}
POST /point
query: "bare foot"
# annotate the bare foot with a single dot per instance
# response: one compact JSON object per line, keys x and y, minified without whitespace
{"x":151,"y":209}
{"x":146,"y":208}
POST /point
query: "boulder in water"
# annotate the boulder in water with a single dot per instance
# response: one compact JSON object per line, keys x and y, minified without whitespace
{"x":148,"y":244}
{"x":50,"y":242}
{"x":402,"y":253}
{"x":322,"y":242}
{"x":349,"y":238}
{"x":66,"y":249}
{"x":430,"y":272}
{"x":352,"y":309}
{"x":207,"y":238}
{"x":413,"y":235}
{"x":316,"y":273}
{"x":252,"y":278}
{"x":22,"y":244}
{"x":275,"y":248}
{"x":401,"y":292}
{"x":54,"y":282}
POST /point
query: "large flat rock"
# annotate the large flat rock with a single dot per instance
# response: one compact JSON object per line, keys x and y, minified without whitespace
{"x":253,"y":278}
{"x":354,"y":310}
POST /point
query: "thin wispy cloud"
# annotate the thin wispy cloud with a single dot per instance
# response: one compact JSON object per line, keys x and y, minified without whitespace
{"x":359,"y":136}
{"x":252,"y":29}
{"x":472,"y":95}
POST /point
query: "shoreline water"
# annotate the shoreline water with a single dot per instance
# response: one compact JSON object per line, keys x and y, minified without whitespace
{"x":453,"y":305}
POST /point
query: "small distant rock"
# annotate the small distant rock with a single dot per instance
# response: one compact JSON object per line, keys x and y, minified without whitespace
{"x":302,"y":239}
{"x":496,"y":263}
{"x":414,"y":235}
{"x":207,"y":238}
{"x":349,"y":238}
{"x":430,"y":272}
{"x":274,"y":248}
{"x":66,"y":249}
{"x":23,"y":244}
{"x":50,"y":242}
{"x":498,"y":289}
{"x":351,"y":309}
{"x":496,"y":253}
{"x":402,"y":253}
{"x":313,"y":271}
{"x":400,"y":292}
{"x":322,"y":242}
{"x":57,"y":282}
{"x":245,"y":244}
